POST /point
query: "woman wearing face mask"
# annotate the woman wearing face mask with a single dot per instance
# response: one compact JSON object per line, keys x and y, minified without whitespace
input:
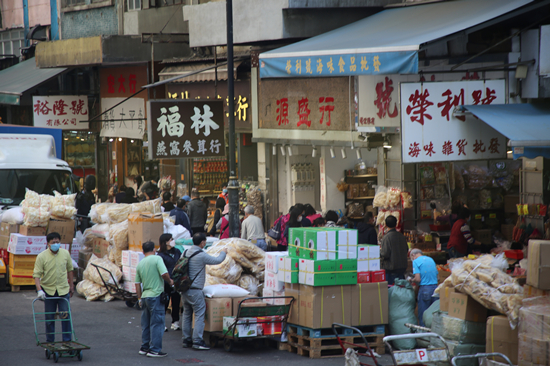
{"x":224,"y":194}
{"x":170,"y":256}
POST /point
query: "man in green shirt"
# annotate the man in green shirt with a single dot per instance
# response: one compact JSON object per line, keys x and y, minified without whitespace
{"x":53,"y":277}
{"x":151,"y":274}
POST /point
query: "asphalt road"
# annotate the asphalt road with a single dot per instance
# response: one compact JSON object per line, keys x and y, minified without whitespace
{"x":113,"y":332}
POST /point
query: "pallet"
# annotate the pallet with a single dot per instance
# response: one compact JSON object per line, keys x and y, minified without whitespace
{"x":366,"y":330}
{"x":17,"y":288}
{"x":329,"y":347}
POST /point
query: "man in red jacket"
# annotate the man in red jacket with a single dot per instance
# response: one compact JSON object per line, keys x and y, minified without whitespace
{"x":461,"y":236}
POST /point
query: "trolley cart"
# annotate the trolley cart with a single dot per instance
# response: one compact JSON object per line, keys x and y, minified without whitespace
{"x":247,"y":315}
{"x":116,"y":291}
{"x":353,"y":345}
{"x":479,"y":355}
{"x":58,"y":349}
{"x":418,"y":356}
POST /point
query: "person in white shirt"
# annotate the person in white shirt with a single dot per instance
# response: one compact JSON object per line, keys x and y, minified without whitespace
{"x":253,"y":229}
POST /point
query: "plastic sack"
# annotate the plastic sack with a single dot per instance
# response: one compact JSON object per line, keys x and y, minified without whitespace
{"x":459,"y":330}
{"x":401,"y":310}
{"x":100,"y":230}
{"x":63,"y":199}
{"x":427,"y":317}
{"x":380,"y":196}
{"x":152,"y":206}
{"x":177,"y":231}
{"x":36,"y":217}
{"x":115,"y":255}
{"x":227,"y":270}
{"x":98,"y":212}
{"x":393,"y":197}
{"x":13,"y":216}
{"x":500,"y":262}
{"x":227,"y":290}
{"x":90,"y":290}
{"x":249,"y":283}
{"x":64,"y":212}
{"x":381,"y":217}
{"x":91,"y":272}
{"x":406,"y":199}
{"x":35,"y":200}
{"x":118,"y":213}
{"x":211,"y":280}
{"x":118,"y":233}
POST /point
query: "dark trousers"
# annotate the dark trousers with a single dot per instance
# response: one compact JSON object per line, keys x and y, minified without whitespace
{"x":199,"y":229}
{"x":175,"y":298}
{"x":59,"y":304}
{"x":391,"y":276}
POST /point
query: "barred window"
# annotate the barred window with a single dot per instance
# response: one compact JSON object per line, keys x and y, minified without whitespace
{"x":11,"y":42}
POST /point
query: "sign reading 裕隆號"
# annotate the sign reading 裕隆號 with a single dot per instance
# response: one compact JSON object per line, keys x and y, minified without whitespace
{"x":185,"y":129}
{"x":65,"y":112}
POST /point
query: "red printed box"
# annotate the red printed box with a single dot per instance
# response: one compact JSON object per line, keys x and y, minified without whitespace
{"x":364,"y":277}
{"x":378,"y":276}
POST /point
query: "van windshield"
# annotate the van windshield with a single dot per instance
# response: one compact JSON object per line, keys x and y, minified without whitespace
{"x":14,"y":181}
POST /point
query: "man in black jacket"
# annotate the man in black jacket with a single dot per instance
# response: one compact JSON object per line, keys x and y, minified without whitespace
{"x":197,"y":213}
{"x":393,"y":253}
{"x":367,"y":231}
{"x":181,"y":216}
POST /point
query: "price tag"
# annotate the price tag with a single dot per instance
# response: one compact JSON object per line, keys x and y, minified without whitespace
{"x":493,"y":216}
{"x":478,"y":216}
{"x":428,"y":237}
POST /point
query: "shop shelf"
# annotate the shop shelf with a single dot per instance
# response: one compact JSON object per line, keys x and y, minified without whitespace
{"x":363,"y":176}
{"x":362,"y":198}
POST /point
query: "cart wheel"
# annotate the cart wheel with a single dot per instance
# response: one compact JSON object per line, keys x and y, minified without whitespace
{"x":213,"y":340}
{"x":80,"y":356}
{"x":55,"y":357}
{"x":130,"y":304}
{"x":48,"y":354}
{"x":228,"y":345}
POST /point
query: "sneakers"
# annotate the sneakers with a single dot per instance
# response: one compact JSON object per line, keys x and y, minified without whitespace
{"x":143,"y":351}
{"x":187,"y":343}
{"x":200,"y":346}
{"x":175,"y":326}
{"x":165,"y":329}
{"x":156,"y":354}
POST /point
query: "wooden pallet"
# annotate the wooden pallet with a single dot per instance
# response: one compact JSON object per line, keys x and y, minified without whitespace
{"x":17,"y":288}
{"x":366,"y":330}
{"x":329,"y":347}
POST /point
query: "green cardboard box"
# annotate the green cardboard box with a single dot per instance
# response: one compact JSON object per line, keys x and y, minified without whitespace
{"x":296,"y":241}
{"x":346,"y":265}
{"x":345,"y":278}
{"x":319,"y":244}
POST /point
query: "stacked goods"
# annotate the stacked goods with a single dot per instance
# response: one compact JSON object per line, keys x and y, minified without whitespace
{"x":36,"y":208}
{"x":368,"y":260}
{"x":93,"y":286}
{"x":20,"y":269}
{"x":130,"y":260}
{"x":254,"y":198}
{"x":26,"y":245}
{"x":142,"y":227}
{"x":501,"y":338}
{"x":6,"y":229}
{"x":272,"y":285}
{"x":538,"y":272}
{"x":63,"y":206}
{"x":534,"y":332}
{"x":390,"y":201}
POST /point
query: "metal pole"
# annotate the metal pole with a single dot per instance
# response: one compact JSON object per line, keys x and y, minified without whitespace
{"x":233,"y":185}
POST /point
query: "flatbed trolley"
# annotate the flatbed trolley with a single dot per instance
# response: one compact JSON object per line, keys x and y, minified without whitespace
{"x":479,"y":355}
{"x":343,"y":343}
{"x":247,"y":309}
{"x":115,"y":290}
{"x":62,"y":348}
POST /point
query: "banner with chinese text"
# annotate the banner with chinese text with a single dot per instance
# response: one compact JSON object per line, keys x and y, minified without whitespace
{"x":185,"y":129}
{"x":64,"y":112}
{"x":430,"y":132}
{"x":126,"y":120}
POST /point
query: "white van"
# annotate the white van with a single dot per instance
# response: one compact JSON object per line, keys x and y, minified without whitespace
{"x":28,"y":161}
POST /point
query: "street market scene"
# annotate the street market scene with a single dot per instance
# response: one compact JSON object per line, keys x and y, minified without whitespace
{"x":221,"y":182}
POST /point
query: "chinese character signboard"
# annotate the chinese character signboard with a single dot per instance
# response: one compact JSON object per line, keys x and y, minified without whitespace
{"x":126,"y":120}
{"x":122,"y":82}
{"x":431,"y":132}
{"x":65,"y":112}
{"x":298,"y":104}
{"x":185,"y":129}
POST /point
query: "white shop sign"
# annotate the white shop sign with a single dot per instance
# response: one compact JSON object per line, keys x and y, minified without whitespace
{"x":127,"y":120}
{"x":62,"y":111}
{"x":430,"y":132}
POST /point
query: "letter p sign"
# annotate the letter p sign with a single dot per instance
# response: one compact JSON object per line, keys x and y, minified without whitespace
{"x":422,"y":354}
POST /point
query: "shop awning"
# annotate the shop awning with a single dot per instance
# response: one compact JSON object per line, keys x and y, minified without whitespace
{"x":524,"y":124}
{"x":16,"y":80}
{"x":385,"y":43}
{"x":207,"y":75}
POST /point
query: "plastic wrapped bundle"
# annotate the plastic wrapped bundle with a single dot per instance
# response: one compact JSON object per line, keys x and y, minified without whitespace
{"x":459,"y":330}
{"x":91,"y":272}
{"x":100,"y":230}
{"x":246,"y":254}
{"x":98,"y":212}
{"x":249,"y":283}
{"x":107,"y":297}
{"x":64,"y":212}
{"x":90,"y":290}
{"x":260,"y":276}
{"x":228,"y":270}
{"x":35,"y":200}
{"x":254,"y":198}
{"x":36,"y":217}
{"x":211,"y":280}
{"x":457,"y":348}
{"x":119,"y":212}
{"x":63,"y":199}
{"x":88,"y":238}
{"x":152,"y":206}
{"x":115,"y":255}
{"x":118,"y":234}
{"x":534,"y":331}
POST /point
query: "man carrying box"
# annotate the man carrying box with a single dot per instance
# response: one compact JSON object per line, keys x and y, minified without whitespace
{"x":425,"y":274}
{"x":53,"y":277}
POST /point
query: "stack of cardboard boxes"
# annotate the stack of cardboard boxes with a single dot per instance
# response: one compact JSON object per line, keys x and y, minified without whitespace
{"x":273,"y":286}
{"x":142,"y":227}
{"x":130,"y":261}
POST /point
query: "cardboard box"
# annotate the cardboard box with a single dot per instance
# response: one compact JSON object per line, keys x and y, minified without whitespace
{"x":216,"y":309}
{"x":84,"y":256}
{"x":501,"y":338}
{"x":65,"y":228}
{"x":272,"y":261}
{"x":530,"y":291}
{"x":281,"y":268}
{"x":8,"y":229}
{"x":271,"y":293}
{"x":135,"y":258}
{"x":127,"y":274}
{"x":237,"y":300}
{"x":534,"y":350}
{"x":317,"y":273}
{"x":346,"y":278}
{"x":100,"y":247}
{"x":75,"y":248}
{"x":442,"y":275}
{"x":296,"y":242}
{"x":363,"y":277}
{"x":369,"y":303}
{"x":322,"y":306}
{"x":444,"y":296}
{"x":270,"y":325}
{"x":271,"y":282}
{"x":126,"y":258}
{"x":4,"y":241}
{"x":319,"y":245}
{"x":33,"y":231}
{"x":129,"y":286}
{"x":21,"y":261}
{"x":143,"y":227}
{"x":26,"y":245}
{"x":510,"y":203}
{"x":246,"y":327}
{"x":294,"y":291}
{"x":366,"y":254}
{"x":347,"y":243}
{"x":290,"y":270}
{"x":464,"y":307}
{"x":483,"y":236}
{"x":378,"y":276}
{"x":538,"y":271}
{"x":374,"y":265}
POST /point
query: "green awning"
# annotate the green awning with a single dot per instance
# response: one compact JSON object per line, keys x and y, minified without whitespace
{"x":16,"y":80}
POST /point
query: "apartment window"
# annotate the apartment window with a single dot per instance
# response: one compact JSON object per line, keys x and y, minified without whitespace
{"x":134,"y":4}
{"x":11,"y":42}
{"x":73,"y":2}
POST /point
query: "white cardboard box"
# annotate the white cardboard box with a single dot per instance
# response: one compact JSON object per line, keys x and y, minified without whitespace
{"x":374,"y":252}
{"x":374,"y":265}
{"x":272,"y":282}
{"x":26,"y":245}
{"x":75,"y":248}
{"x":302,"y":267}
{"x":272,"y":261}
{"x":362,"y":265}
{"x":135,"y":258}
{"x":271,"y":293}
{"x":281,"y":269}
{"x":126,"y":258}
{"x":130,"y":286}
{"x":126,"y":273}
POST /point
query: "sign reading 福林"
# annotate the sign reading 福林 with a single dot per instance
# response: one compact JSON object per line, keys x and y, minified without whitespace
{"x":185,"y":129}
{"x":432,"y":132}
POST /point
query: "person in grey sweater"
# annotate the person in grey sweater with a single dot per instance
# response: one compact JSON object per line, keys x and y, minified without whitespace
{"x":198,"y":212}
{"x":193,"y":299}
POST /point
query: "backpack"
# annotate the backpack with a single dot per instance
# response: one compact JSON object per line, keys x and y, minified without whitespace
{"x":275,"y":231}
{"x":211,"y":225}
{"x":180,"y":274}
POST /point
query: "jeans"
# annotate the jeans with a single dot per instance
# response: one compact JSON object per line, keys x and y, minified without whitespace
{"x":152,"y":323}
{"x":453,"y":253}
{"x":425,"y":299}
{"x":175,"y":297}
{"x":261,"y":243}
{"x":193,"y":302}
{"x":394,"y":275}
{"x":60,"y":304}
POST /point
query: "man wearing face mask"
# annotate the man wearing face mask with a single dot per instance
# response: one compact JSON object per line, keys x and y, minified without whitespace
{"x":53,"y":278}
{"x":170,"y":256}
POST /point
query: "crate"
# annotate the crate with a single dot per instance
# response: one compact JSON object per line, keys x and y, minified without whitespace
{"x":366,"y":330}
{"x":329,"y":347}
{"x":18,"y":280}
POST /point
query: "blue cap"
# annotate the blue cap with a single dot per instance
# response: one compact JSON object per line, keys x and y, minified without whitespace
{"x":186,"y":197}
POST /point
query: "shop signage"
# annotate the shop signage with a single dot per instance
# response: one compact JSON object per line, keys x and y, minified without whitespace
{"x":323,"y":184}
{"x":119,"y":82}
{"x":431,"y":131}
{"x":299,"y":104}
{"x":185,"y":129}
{"x":126,"y":120}
{"x":209,"y":91}
{"x":65,"y":112}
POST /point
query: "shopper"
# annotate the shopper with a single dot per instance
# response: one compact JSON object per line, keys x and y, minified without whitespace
{"x":53,"y":277}
{"x":119,"y":197}
{"x":84,"y":201}
{"x":170,"y":255}
{"x":279,"y":226}
{"x":167,"y":202}
{"x":197,"y":213}
{"x":150,"y":274}
{"x":193,"y":299}
{"x":223,"y":224}
{"x":253,"y":229}
{"x":461,"y":236}
{"x":181,"y":216}
{"x":367,"y":231}
{"x":425,"y":274}
{"x":310,"y":215}
{"x":130,"y":196}
{"x":331,"y":218}
{"x":393,"y":252}
{"x":220,"y":205}
{"x":294,"y":221}
{"x":224,"y":194}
